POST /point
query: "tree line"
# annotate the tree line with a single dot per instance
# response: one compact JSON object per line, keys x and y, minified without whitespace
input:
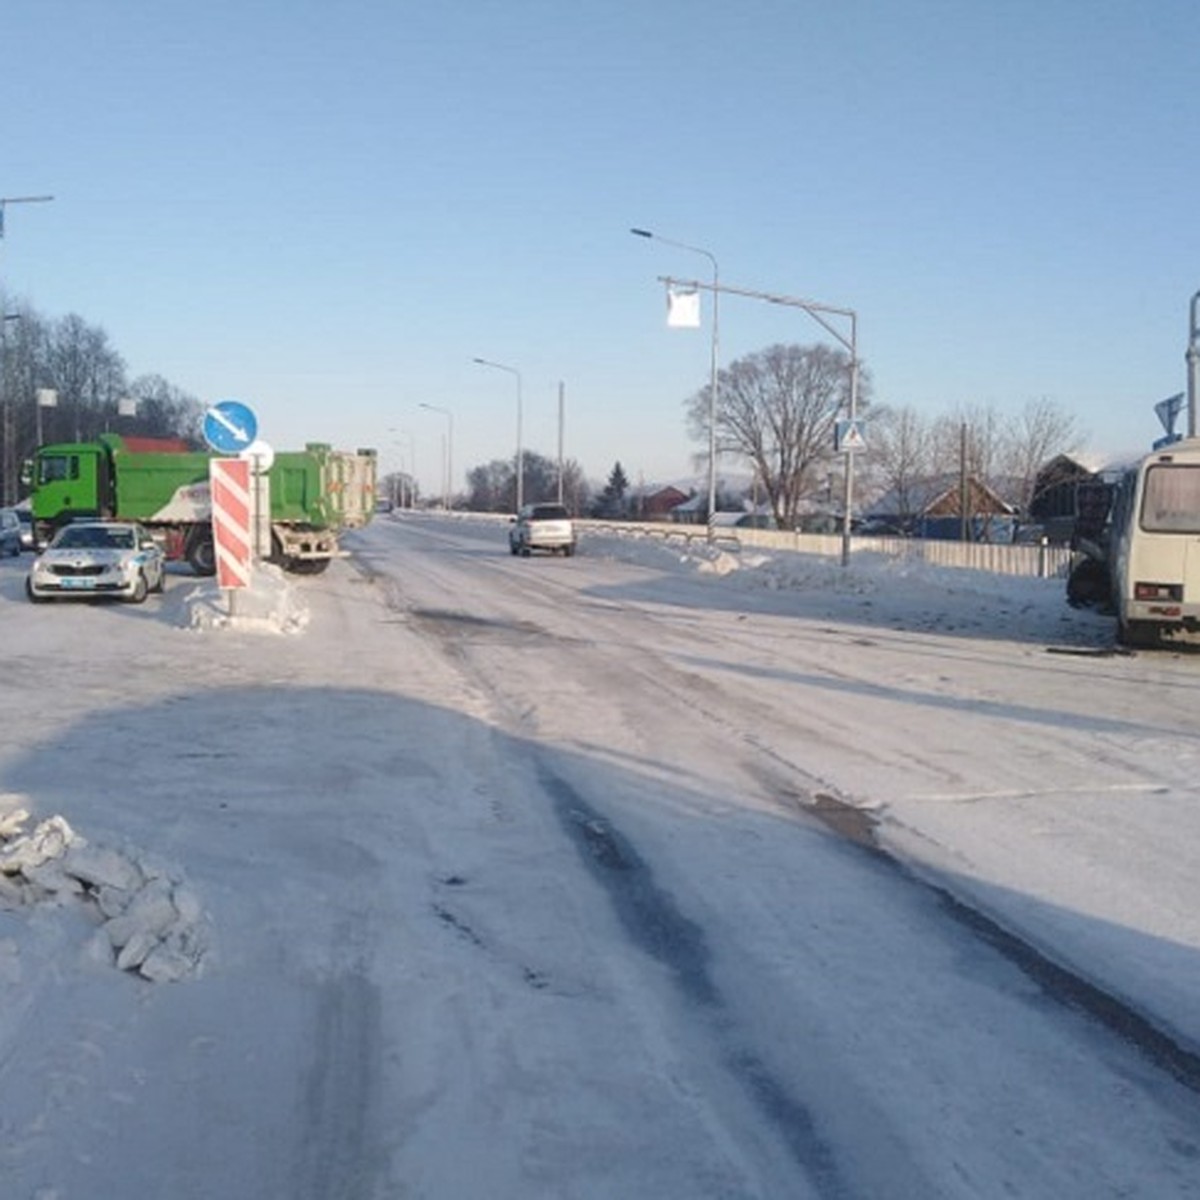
{"x":776,"y":413}
{"x":777,"y":410}
{"x":93,"y":390}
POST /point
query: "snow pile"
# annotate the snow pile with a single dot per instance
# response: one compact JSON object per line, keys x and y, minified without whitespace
{"x":150,"y":922}
{"x":719,"y":562}
{"x":868,"y":573}
{"x":269,"y":605}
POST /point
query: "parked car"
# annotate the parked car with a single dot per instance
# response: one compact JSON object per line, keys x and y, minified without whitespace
{"x":10,"y":532}
{"x":98,"y":558}
{"x":542,"y":527}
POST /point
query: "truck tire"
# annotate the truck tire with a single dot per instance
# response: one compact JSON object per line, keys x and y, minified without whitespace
{"x":202,"y":557}
{"x":306,"y":566}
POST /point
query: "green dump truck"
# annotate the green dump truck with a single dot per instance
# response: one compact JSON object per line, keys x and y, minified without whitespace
{"x":314,"y":494}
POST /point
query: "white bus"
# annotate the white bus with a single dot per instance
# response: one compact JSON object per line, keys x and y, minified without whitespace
{"x":1155,"y":548}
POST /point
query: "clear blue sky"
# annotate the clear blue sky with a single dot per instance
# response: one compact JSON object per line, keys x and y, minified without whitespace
{"x":327,"y":210}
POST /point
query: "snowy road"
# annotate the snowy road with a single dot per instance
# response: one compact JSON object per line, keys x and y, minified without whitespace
{"x":518,"y":890}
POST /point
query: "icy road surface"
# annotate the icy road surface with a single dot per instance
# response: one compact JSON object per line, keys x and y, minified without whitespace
{"x":627,"y":875}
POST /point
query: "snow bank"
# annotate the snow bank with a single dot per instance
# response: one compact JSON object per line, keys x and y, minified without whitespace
{"x":150,"y":921}
{"x":270,"y":605}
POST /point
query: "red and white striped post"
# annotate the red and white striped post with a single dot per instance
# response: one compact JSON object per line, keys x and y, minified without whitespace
{"x":229,"y":487}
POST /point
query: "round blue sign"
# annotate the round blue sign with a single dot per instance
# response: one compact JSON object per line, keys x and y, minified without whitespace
{"x":230,"y":426}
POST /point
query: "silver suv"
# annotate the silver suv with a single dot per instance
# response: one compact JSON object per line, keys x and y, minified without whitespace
{"x":542,"y":527}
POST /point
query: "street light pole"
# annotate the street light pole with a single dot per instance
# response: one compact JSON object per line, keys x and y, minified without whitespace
{"x":9,"y":430}
{"x":449,"y":450}
{"x":819,"y":313}
{"x":483,"y":362}
{"x":712,"y":395}
{"x":8,"y":460}
{"x":6,"y":200}
{"x":412,"y":469}
{"x":561,"y":409}
{"x":1193,"y":365}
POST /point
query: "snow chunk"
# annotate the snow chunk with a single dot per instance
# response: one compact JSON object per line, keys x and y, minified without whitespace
{"x":48,"y":840}
{"x":100,"y":867}
{"x":720,"y":563}
{"x":271,"y":604}
{"x":152,"y":923}
{"x":12,"y":822}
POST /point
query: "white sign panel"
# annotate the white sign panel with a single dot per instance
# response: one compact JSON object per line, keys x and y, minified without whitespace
{"x":683,"y":308}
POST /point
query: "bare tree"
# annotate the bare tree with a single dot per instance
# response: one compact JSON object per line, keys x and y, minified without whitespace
{"x":76,"y":360}
{"x":970,"y":439}
{"x":1042,"y":430}
{"x":163,"y":410}
{"x":87,"y":373}
{"x":901,"y":455}
{"x":777,"y":408}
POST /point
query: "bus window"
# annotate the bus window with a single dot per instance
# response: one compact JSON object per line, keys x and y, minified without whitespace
{"x":1171,"y":499}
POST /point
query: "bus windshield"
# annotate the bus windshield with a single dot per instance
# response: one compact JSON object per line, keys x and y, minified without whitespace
{"x":1171,"y":499}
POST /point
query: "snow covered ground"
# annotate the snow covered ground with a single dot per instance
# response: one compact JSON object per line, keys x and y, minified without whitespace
{"x":468,"y":875}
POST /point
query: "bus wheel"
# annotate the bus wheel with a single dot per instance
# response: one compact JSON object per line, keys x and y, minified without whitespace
{"x":1135,"y":634}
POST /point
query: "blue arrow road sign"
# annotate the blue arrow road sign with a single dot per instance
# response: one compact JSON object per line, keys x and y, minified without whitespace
{"x":229,"y":427}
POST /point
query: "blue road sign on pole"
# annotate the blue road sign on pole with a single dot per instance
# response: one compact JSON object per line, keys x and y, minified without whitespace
{"x":1168,"y":411}
{"x":850,"y":435}
{"x":230,"y":426}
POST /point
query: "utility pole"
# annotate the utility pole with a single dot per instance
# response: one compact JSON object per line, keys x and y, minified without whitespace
{"x":1192,"y":358}
{"x":561,"y":391}
{"x":8,"y":426}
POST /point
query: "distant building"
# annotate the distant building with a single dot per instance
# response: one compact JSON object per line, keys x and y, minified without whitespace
{"x":1057,"y":491}
{"x":933,"y":508}
{"x":656,"y":506}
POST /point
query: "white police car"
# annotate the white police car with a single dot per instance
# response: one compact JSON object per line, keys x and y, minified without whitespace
{"x":98,"y":558}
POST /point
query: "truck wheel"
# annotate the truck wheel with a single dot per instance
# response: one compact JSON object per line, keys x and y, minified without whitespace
{"x":306,"y":566}
{"x":202,"y":557}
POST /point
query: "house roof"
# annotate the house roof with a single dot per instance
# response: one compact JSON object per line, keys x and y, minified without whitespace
{"x":924,"y":497}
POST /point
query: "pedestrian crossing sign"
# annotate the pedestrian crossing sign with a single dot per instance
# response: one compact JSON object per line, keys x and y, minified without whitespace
{"x":850,"y":435}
